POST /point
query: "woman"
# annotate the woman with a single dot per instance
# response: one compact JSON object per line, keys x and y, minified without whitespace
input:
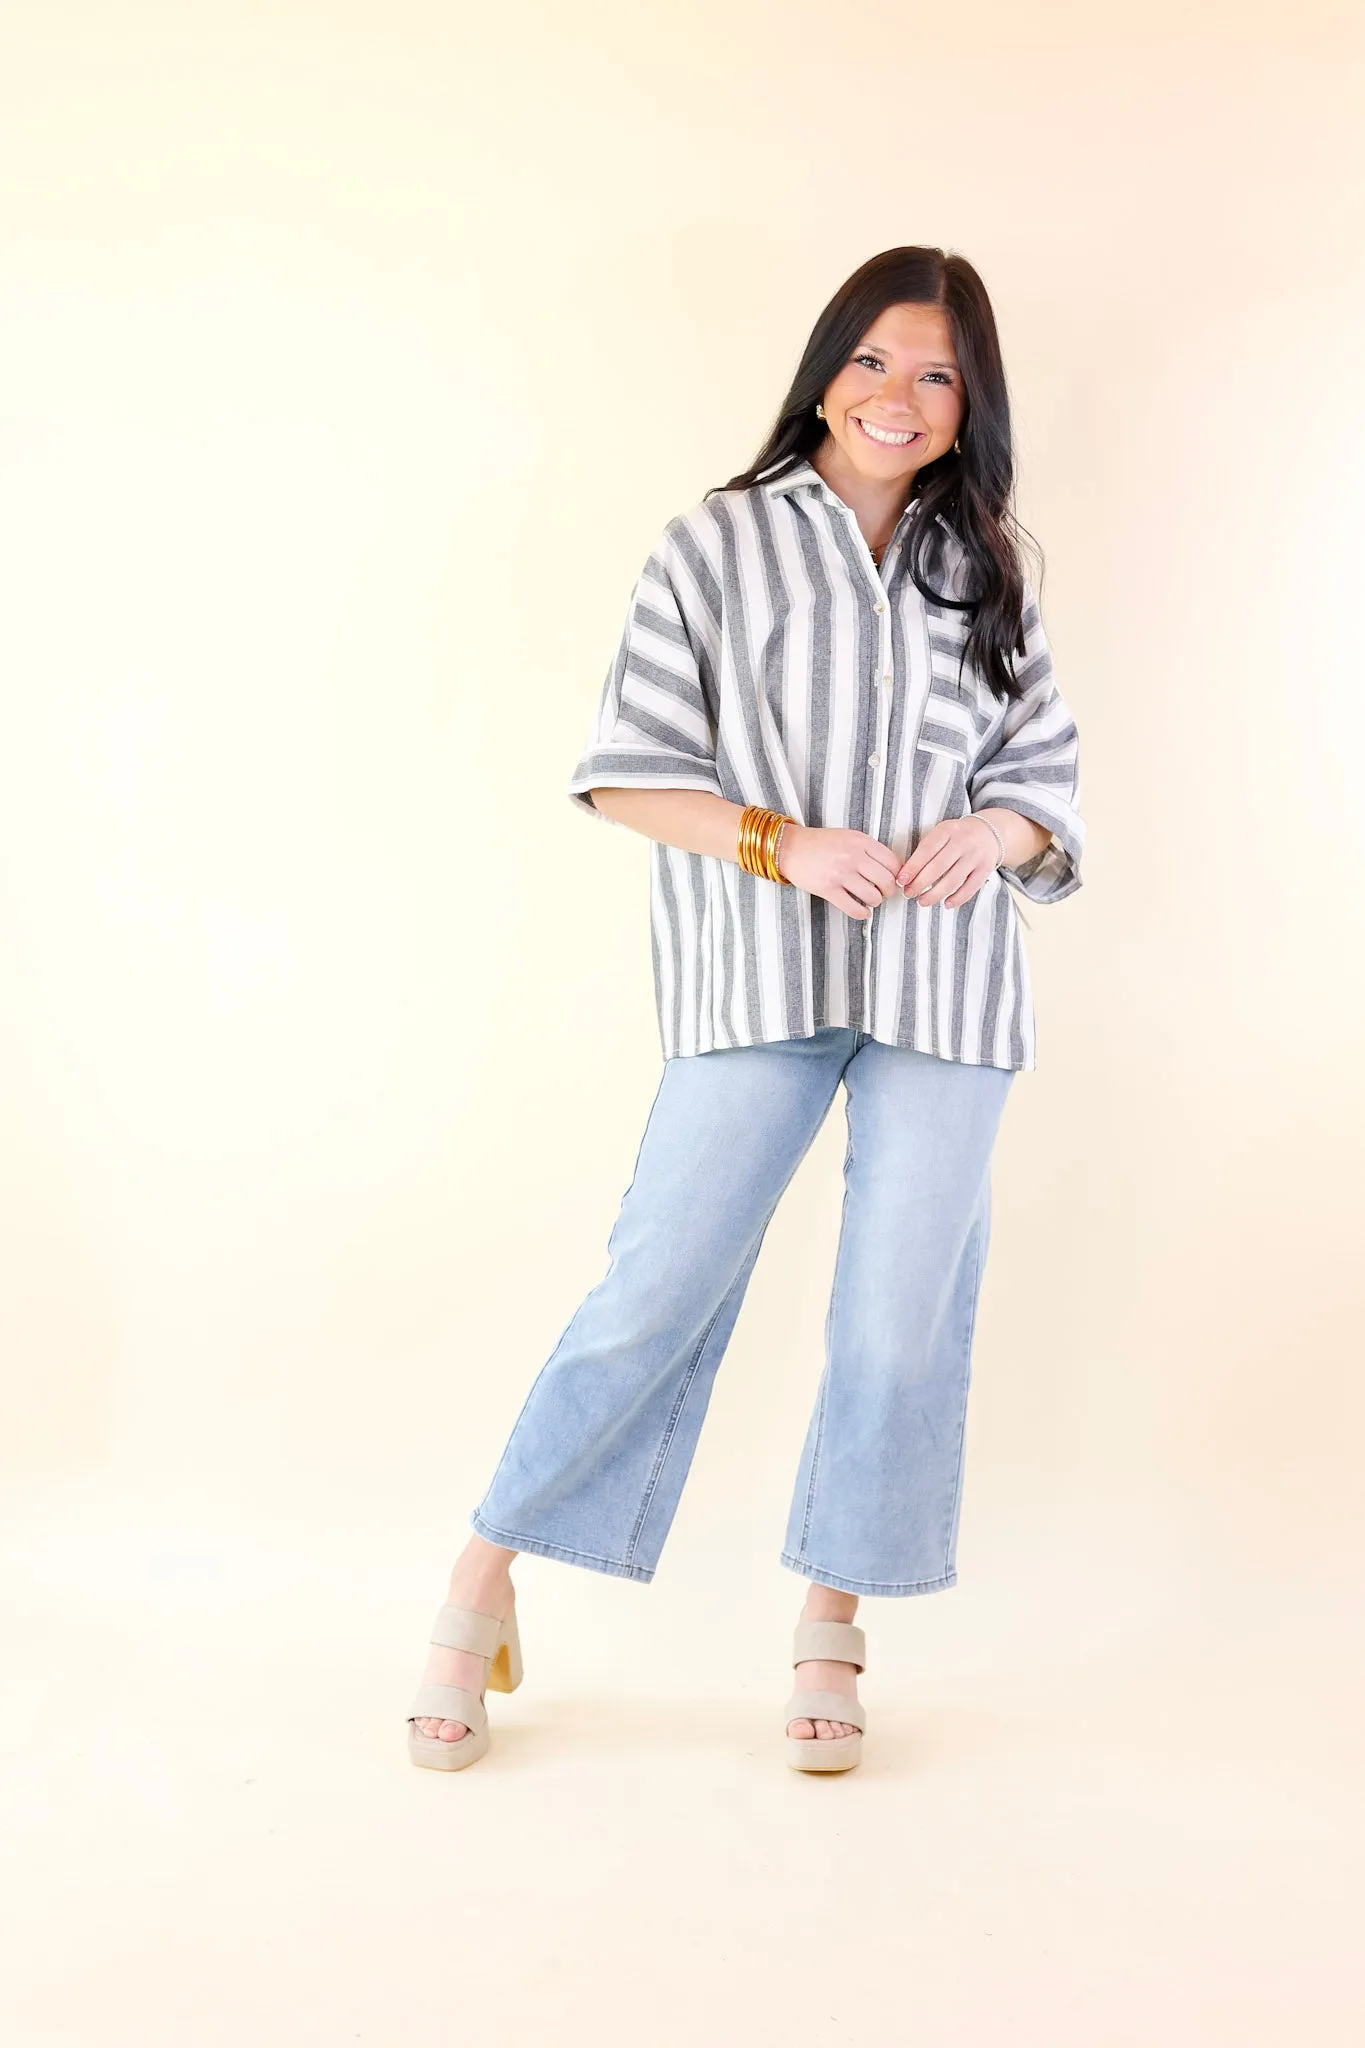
{"x":817,"y":717}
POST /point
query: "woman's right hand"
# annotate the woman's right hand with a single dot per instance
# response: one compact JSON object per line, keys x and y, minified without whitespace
{"x":851,"y":870}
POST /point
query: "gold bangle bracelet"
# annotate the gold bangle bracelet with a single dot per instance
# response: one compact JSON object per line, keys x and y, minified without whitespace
{"x":742,"y":848}
{"x":758,"y":816}
{"x":760,"y":834}
{"x":771,"y":827}
{"x":748,"y":825}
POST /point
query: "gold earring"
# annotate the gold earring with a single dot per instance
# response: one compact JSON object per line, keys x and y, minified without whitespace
{"x":957,"y":447}
{"x":819,"y":412}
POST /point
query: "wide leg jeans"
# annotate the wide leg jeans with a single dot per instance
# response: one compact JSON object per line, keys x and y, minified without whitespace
{"x":595,"y":1464}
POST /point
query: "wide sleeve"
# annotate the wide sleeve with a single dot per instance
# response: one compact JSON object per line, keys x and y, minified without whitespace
{"x":655,"y":722}
{"x":1032,"y":765}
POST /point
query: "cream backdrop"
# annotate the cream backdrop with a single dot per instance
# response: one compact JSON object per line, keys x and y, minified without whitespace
{"x":352,"y":358}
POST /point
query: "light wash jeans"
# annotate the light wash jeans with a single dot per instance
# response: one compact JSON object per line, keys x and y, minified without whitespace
{"x":595,"y":1464}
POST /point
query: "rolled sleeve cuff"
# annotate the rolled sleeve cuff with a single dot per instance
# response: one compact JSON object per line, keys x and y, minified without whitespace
{"x":610,"y":769}
{"x":1055,"y":873}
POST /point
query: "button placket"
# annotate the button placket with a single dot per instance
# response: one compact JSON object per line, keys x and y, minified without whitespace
{"x":880,"y":609}
{"x":887,"y":667}
{"x":882,"y":695}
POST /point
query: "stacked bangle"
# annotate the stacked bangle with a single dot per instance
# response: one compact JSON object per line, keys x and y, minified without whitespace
{"x":760,"y":835}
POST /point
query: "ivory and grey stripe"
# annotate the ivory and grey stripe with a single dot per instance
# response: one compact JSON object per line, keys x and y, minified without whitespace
{"x":765,"y":659}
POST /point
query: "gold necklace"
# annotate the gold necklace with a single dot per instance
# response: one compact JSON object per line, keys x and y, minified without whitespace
{"x":877,"y":553}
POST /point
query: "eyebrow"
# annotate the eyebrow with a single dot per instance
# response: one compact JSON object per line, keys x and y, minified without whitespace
{"x":932,"y":364}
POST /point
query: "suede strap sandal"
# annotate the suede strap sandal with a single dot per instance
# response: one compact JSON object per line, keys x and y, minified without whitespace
{"x":461,"y":1628}
{"x":835,"y":1642}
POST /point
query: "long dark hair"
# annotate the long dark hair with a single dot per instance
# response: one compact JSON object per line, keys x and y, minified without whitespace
{"x":970,"y":491}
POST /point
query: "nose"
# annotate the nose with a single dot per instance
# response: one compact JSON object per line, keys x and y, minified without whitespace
{"x":898,"y":395}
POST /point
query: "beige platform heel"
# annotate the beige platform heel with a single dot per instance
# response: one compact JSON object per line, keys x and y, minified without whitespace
{"x":461,"y":1628}
{"x":837,"y":1642}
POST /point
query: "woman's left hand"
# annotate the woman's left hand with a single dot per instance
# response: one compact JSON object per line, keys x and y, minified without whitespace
{"x":951,"y":862}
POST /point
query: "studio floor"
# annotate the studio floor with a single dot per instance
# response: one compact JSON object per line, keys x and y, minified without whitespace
{"x":1106,"y":1798}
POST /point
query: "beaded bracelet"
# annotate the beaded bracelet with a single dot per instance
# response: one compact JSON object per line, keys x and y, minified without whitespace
{"x":760,"y":836}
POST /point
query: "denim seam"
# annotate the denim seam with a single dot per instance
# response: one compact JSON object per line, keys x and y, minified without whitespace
{"x":526,"y":1402}
{"x":815,"y":1454}
{"x":671,"y":1427}
{"x":818,"y":1443}
{"x":559,"y":1341}
{"x":962,"y":1430}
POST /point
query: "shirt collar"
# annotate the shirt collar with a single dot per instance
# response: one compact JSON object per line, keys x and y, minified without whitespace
{"x":801,"y":476}
{"x":804,"y":476}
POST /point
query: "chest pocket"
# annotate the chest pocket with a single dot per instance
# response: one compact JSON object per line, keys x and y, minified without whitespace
{"x":941,"y":768}
{"x":959,"y":716}
{"x":948,"y":732}
{"x":954,"y":723}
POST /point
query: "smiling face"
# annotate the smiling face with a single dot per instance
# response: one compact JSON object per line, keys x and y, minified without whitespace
{"x":898,"y":401}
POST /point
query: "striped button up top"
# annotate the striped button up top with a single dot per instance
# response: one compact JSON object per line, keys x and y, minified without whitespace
{"x":765,"y":658}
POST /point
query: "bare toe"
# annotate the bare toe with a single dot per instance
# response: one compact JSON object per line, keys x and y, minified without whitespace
{"x":446,"y":1731}
{"x":802,"y":1730}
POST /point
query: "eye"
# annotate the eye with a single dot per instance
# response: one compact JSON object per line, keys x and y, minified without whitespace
{"x":876,"y":363}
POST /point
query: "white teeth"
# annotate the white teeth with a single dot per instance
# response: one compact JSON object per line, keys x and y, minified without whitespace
{"x":880,"y":434}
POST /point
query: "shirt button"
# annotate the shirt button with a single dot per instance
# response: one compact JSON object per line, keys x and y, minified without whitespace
{"x":886,"y":682}
{"x":879,"y":606}
{"x":873,"y":759}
